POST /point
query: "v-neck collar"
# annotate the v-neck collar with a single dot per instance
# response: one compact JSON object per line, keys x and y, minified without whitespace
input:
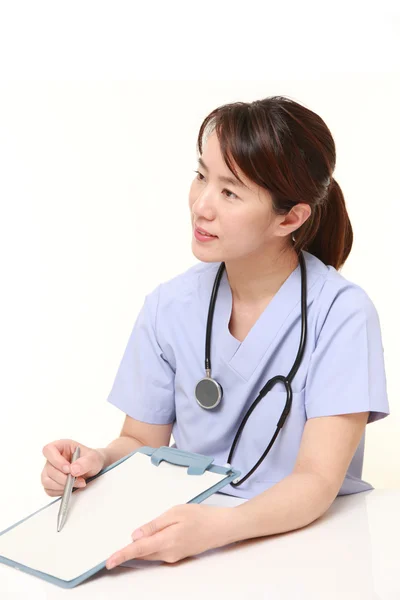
{"x":244,"y":357}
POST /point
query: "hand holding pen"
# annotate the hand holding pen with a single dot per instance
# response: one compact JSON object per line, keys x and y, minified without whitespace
{"x":55,"y":473}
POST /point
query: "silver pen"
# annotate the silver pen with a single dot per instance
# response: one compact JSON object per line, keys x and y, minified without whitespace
{"x":64,"y":505}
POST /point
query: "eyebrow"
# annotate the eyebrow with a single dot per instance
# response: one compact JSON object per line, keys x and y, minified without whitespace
{"x":224,"y":179}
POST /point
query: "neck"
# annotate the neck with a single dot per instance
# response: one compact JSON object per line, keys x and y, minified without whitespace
{"x":254,"y":279}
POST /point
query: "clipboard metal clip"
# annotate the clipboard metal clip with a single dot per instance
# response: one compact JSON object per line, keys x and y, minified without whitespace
{"x":197,"y":463}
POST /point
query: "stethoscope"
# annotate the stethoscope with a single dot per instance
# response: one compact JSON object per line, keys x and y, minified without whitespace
{"x":209,"y":392}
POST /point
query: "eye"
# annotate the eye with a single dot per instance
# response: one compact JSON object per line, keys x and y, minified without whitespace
{"x":199,"y":175}
{"x":232,"y":196}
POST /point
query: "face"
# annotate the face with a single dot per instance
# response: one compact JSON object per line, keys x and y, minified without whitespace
{"x":240,"y":217}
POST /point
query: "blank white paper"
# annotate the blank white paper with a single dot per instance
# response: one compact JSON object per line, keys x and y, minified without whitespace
{"x":102,"y":516}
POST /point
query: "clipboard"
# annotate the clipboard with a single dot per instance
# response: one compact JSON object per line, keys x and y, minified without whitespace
{"x":105,"y":506}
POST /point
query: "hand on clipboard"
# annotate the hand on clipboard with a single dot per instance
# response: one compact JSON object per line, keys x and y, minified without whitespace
{"x":182,"y":531}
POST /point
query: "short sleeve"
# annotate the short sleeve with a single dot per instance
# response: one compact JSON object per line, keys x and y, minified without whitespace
{"x":347,"y":372}
{"x":144,"y":384}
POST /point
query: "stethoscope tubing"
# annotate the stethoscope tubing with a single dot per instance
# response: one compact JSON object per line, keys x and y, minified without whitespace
{"x":269,"y":385}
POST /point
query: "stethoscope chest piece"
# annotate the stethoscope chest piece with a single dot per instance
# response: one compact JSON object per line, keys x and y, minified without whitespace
{"x":208,"y":393}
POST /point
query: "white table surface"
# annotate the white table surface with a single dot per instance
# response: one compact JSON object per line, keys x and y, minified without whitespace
{"x":352,"y":552}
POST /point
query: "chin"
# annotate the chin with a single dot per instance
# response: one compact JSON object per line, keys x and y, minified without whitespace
{"x":205,"y":255}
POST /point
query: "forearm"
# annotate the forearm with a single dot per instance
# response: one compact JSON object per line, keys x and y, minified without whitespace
{"x":294,"y":502}
{"x":119,"y":448}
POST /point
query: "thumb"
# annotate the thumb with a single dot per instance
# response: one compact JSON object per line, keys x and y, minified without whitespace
{"x":165,"y":520}
{"x":87,"y":465}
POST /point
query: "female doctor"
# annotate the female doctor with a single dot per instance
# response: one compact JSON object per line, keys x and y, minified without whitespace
{"x":264,"y":309}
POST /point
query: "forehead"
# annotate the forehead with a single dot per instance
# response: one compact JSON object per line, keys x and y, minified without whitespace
{"x":213,"y":161}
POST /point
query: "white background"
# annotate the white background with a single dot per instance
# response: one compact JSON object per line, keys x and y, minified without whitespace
{"x":100,"y":104}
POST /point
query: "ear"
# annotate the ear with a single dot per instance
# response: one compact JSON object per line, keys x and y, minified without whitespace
{"x":294,"y":219}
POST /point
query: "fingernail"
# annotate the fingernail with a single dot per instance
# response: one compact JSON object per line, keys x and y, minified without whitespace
{"x":111,"y":564}
{"x":137,"y":534}
{"x":65,"y":469}
{"x":75,"y":471}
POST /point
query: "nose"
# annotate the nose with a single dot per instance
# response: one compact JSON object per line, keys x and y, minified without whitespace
{"x":203,"y":204}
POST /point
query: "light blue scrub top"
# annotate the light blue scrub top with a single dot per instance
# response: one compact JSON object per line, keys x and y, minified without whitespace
{"x":342,"y":370}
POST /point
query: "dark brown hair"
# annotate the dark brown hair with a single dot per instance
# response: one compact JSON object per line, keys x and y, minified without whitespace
{"x":288,"y":150}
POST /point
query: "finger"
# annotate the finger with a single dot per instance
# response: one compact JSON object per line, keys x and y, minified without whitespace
{"x":141,"y":549}
{"x":50,"y":484}
{"x":52,"y":479}
{"x":155,"y":556}
{"x":51,"y":474}
{"x":55,"y":457}
{"x":52,"y":493}
{"x":88,"y":465}
{"x":170,"y":517}
{"x":84,"y":466}
{"x":165,"y":557}
{"x":80,"y":482}
{"x":55,"y":474}
{"x":58,"y":477}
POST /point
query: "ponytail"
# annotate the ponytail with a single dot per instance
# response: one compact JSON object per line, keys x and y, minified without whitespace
{"x":327,"y":233}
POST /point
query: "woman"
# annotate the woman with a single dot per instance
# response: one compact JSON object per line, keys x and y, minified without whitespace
{"x":263,"y":197}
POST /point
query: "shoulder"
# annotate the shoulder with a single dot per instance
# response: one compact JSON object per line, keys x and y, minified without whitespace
{"x":182,"y":288}
{"x":341,"y":300}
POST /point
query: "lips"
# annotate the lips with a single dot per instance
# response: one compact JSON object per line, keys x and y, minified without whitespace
{"x":204,"y":232}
